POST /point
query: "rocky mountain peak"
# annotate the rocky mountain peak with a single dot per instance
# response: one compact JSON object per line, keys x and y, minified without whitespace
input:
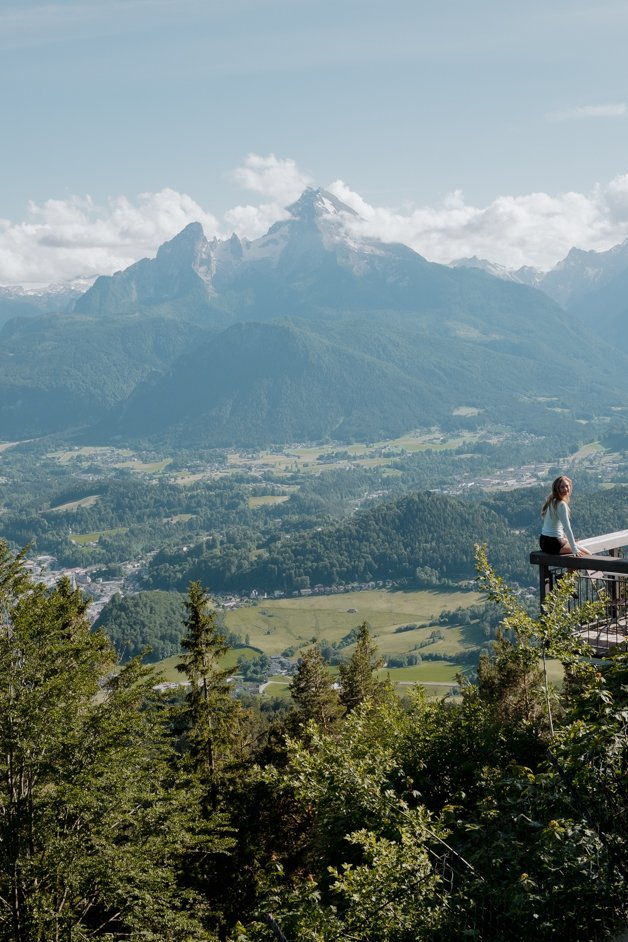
{"x":317,"y":203}
{"x":235,"y":246}
{"x":186,"y":246}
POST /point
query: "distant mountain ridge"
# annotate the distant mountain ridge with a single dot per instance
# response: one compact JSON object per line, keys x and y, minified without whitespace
{"x":20,"y":301}
{"x":523,"y":276}
{"x":591,"y":286}
{"x":582,"y":273}
{"x":308,"y":332}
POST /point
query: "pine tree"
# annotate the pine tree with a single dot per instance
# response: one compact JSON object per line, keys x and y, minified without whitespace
{"x":357,"y":677}
{"x":312,"y":692}
{"x":210,"y":709}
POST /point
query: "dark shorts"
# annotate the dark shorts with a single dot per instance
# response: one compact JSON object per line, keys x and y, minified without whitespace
{"x":552,"y":544}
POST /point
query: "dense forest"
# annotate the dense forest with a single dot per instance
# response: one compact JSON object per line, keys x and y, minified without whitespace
{"x":143,"y":622}
{"x":350,"y":813}
{"x":389,"y":541}
{"x":426,"y":539}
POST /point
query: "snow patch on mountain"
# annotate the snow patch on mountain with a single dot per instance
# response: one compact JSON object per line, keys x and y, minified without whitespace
{"x":491,"y":268}
{"x":75,"y":286}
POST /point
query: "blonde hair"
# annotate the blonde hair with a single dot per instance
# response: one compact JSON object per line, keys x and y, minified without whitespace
{"x":555,"y":495}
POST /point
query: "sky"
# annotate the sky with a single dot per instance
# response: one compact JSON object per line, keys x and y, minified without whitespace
{"x":494,"y":128}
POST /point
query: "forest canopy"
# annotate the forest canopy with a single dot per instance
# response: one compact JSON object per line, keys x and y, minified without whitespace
{"x":128,"y":814}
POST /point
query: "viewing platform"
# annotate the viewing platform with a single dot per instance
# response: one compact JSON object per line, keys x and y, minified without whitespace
{"x":603,"y":577}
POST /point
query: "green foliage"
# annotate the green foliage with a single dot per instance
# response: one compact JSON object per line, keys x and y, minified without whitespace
{"x":255,"y":669}
{"x":312,"y":691}
{"x":147,"y":620}
{"x":392,"y":896}
{"x":93,"y":826}
{"x":208,"y":700}
{"x":555,"y":631}
{"x":358,"y":681}
{"x":347,"y":781}
{"x":386,"y":541}
{"x":399,"y":821}
{"x":476,"y":818}
{"x":367,"y":866}
{"x":510,"y":681}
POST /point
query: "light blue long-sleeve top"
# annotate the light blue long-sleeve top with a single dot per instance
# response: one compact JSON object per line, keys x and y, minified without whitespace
{"x":557,"y":522}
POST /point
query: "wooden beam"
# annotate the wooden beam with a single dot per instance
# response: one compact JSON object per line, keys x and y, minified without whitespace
{"x":606,"y":541}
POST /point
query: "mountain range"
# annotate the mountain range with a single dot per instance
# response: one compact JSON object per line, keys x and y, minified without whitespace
{"x":306,"y":333}
{"x":592,"y":287}
{"x":18,"y":301}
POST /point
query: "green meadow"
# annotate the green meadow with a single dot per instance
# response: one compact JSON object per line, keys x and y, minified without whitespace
{"x":314,"y":459}
{"x":267,"y":500}
{"x":83,"y":538}
{"x":75,"y":504}
{"x":167,"y":668}
{"x":154,"y":467}
{"x":275,"y":625}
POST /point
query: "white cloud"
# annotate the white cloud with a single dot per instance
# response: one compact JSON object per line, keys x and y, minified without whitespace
{"x":615,"y":110}
{"x":537,"y":229}
{"x":251,"y":222}
{"x":63,"y":239}
{"x":278,"y":179}
{"x":271,"y":176}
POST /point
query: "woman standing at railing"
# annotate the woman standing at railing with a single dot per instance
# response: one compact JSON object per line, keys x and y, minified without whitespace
{"x":556,"y":534}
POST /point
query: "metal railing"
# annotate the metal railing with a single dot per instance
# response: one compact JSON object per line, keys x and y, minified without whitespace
{"x":602,"y":577}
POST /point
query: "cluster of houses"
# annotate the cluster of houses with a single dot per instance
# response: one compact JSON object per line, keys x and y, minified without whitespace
{"x":43,"y":569}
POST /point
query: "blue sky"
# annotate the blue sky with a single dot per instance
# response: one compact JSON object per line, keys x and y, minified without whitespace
{"x":488,"y":128}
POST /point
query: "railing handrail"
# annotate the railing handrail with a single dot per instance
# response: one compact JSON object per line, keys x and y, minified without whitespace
{"x":596,"y":562}
{"x":593,"y":562}
{"x":606,"y":541}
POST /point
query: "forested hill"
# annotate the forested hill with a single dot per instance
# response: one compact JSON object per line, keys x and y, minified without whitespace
{"x":426,"y":536}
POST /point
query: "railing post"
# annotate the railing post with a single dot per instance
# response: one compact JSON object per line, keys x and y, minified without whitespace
{"x":544,"y":582}
{"x":612,"y":587}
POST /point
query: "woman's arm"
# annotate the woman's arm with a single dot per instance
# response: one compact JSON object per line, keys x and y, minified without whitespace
{"x":562,"y":510}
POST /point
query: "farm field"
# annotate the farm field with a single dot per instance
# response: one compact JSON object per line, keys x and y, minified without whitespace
{"x":75,"y":504}
{"x":275,"y":625}
{"x":267,"y":500}
{"x":153,"y":467}
{"x":316,"y":458}
{"x":168,"y":667}
{"x":298,"y":458}
{"x":308,"y":459}
{"x":83,"y":538}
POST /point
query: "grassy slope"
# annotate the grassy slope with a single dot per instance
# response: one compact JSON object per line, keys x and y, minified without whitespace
{"x":276,"y":624}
